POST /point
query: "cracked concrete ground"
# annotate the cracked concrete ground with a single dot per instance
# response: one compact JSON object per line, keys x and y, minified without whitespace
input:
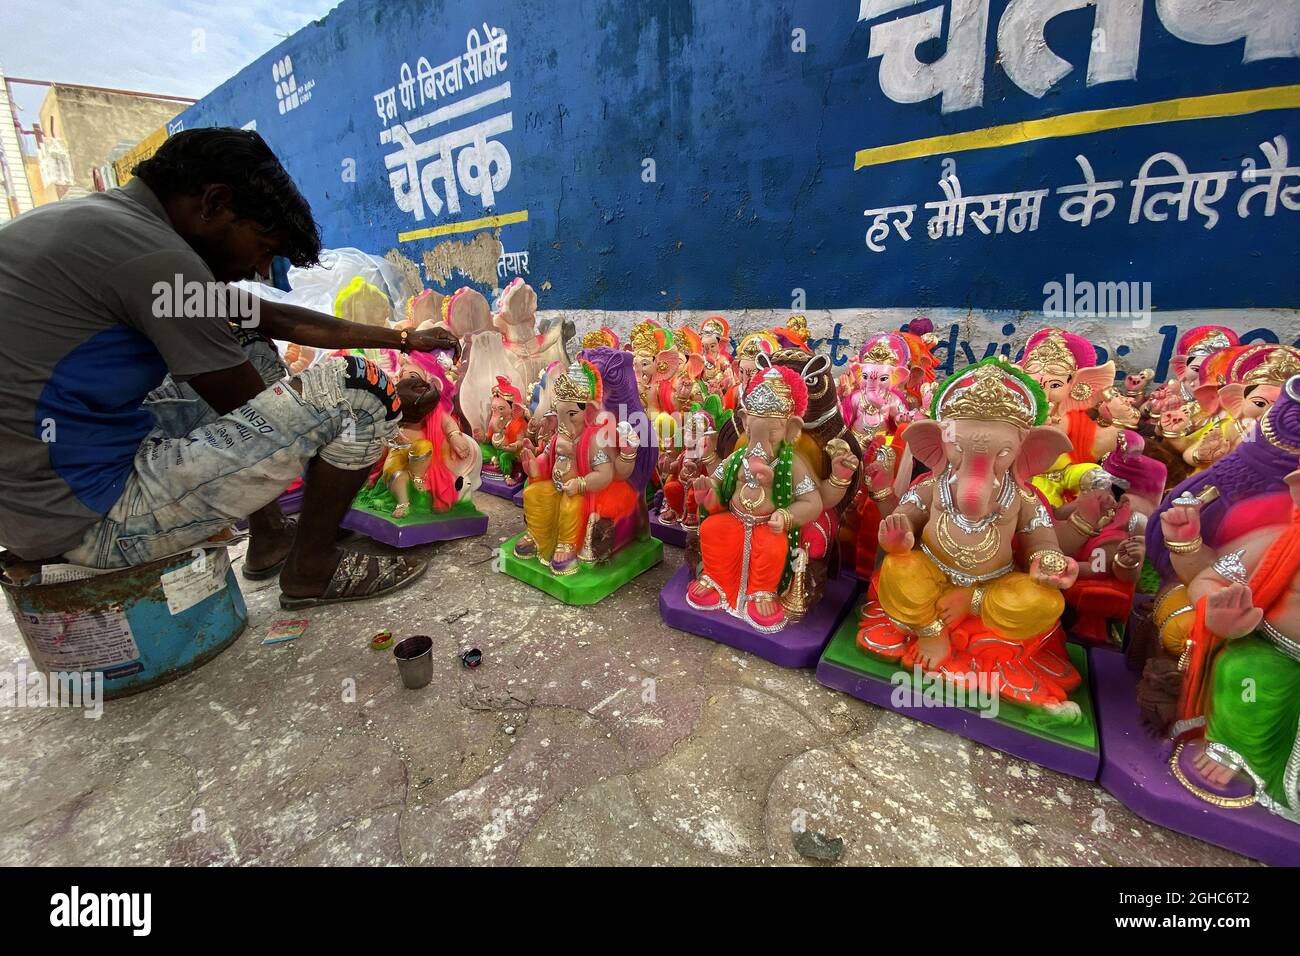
{"x":588,"y":736}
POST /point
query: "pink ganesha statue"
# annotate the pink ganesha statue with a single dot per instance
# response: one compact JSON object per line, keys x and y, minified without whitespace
{"x":951,"y":595}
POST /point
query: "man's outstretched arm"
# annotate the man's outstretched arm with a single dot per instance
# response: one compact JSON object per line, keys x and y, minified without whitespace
{"x":293,"y":323}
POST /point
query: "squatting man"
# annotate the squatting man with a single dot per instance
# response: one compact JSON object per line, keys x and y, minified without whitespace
{"x":129,"y":435}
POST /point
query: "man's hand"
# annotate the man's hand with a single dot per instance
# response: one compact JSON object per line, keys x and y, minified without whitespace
{"x":433,"y":340}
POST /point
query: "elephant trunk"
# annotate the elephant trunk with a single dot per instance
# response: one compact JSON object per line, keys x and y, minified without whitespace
{"x":974,"y":495}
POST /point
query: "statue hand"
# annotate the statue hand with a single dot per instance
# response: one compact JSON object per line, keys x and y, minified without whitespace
{"x":1062,"y":581}
{"x":573,"y":487}
{"x":1231,"y":613}
{"x":704,"y":495}
{"x":1132,"y":551}
{"x":1181,"y":522}
{"x":529,"y":462}
{"x":877,"y":476}
{"x":478,"y":434}
{"x":1212,"y":447}
{"x":844,"y":466}
{"x":896,"y":535}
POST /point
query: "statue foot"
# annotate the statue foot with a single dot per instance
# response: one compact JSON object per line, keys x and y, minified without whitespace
{"x":1214,"y":773}
{"x":1067,"y":711}
{"x":765,"y":613}
{"x":564,"y":560}
{"x":526,"y":547}
{"x":668,"y":516}
{"x":402,"y":510}
{"x":932,"y":651}
{"x":703,"y":595}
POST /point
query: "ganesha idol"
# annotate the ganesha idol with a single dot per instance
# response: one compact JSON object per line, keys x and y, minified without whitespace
{"x":1238,"y":711}
{"x":502,"y":436}
{"x":761,"y":501}
{"x":876,"y":409}
{"x":1243,"y":383}
{"x":584,"y":502}
{"x":421,"y":489}
{"x":1104,"y":529}
{"x":971,"y":584}
{"x":1065,"y":366}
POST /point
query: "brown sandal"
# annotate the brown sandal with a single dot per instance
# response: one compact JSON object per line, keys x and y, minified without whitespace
{"x":360,"y":577}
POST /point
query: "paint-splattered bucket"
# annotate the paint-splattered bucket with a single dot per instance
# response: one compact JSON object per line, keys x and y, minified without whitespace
{"x":140,"y":627}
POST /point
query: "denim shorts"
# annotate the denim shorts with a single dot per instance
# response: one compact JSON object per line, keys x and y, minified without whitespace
{"x":186,"y":488}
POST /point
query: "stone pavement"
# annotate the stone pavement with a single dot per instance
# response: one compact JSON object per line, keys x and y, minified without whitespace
{"x":588,"y":736}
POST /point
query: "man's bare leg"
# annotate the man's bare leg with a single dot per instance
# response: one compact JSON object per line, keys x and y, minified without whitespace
{"x":327,"y":495}
{"x":270,"y":537}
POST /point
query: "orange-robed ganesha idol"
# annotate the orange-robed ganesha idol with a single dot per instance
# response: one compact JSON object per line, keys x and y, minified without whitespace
{"x":971,"y":585}
{"x":757,"y":501}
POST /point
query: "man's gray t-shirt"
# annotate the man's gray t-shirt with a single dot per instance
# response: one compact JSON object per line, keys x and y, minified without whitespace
{"x":84,"y":341}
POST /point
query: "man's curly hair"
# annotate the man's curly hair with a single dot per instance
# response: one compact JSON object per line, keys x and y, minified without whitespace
{"x":260,"y":187}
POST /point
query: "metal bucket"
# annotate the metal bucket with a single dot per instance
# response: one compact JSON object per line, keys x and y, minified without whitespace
{"x":139,"y":627}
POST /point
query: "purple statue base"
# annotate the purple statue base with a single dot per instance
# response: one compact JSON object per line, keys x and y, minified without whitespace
{"x":670,"y":534}
{"x":798,"y":644}
{"x":464,"y":521}
{"x":1136,"y":772}
{"x":518,"y":497}
{"x":496,"y":485}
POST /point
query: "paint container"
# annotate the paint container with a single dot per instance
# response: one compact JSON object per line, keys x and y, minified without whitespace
{"x":415,"y":661}
{"x":139,"y":627}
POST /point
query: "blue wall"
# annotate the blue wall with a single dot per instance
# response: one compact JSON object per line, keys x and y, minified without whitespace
{"x":754,"y":145}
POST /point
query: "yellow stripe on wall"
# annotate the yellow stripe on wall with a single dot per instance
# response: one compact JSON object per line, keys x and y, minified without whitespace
{"x":469,"y":225}
{"x":1093,"y":121}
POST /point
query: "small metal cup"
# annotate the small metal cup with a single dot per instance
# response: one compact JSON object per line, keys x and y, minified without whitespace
{"x":414,"y":658}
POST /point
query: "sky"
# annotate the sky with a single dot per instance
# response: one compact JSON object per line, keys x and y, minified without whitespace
{"x":176,"y":47}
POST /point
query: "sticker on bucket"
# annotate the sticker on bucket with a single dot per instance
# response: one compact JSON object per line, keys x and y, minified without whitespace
{"x":93,"y":641}
{"x":201,"y":578}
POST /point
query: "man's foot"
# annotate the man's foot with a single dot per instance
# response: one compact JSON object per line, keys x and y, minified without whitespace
{"x":267,"y":551}
{"x":931,"y":651}
{"x":345,"y":576}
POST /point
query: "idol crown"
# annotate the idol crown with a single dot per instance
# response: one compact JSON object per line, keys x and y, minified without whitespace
{"x":574,"y":385}
{"x":989,"y":394}
{"x":771,"y":397}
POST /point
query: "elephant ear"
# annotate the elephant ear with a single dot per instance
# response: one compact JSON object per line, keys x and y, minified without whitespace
{"x":695,"y":365}
{"x":1232,"y":397}
{"x":1086,"y":387}
{"x":1179,"y":364}
{"x":666,"y":364}
{"x":1208,"y":396}
{"x":1040,"y":449}
{"x":925,"y":439}
{"x":793,"y":428}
